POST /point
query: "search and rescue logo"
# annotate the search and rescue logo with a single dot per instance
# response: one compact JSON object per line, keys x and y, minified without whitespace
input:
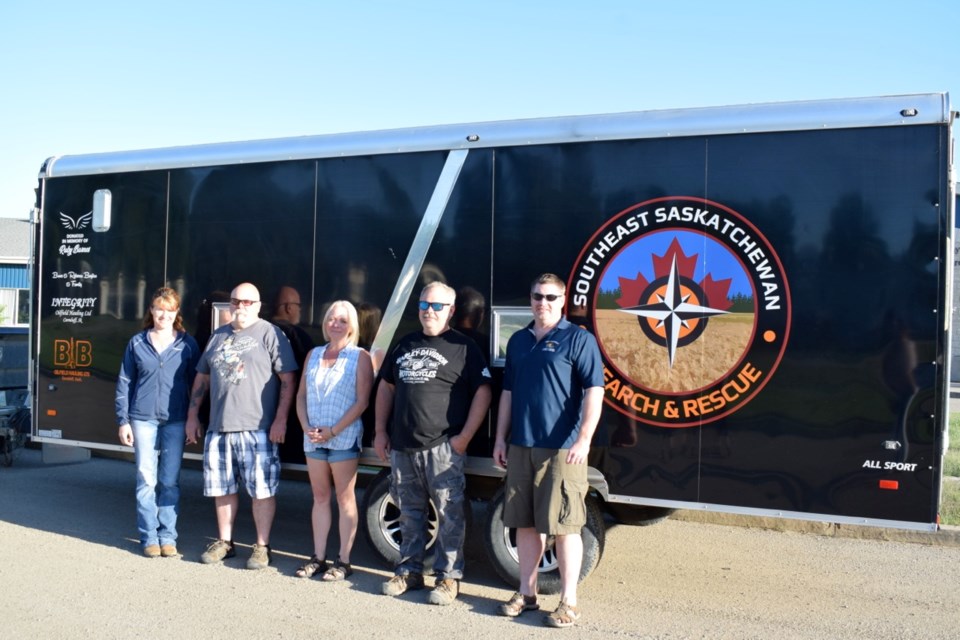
{"x":690,"y":305}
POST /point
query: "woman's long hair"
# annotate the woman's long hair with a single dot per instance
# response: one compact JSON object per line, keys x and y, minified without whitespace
{"x":171,"y":299}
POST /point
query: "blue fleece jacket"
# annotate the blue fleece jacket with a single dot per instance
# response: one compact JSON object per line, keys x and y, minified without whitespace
{"x":156,"y":386}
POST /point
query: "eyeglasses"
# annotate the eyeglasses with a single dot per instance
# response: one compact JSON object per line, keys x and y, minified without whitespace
{"x":237,"y":302}
{"x":549,"y":296}
{"x":296,"y":304}
{"x":436,"y":306}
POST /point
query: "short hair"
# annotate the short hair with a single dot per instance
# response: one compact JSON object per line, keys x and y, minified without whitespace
{"x":167,"y":296}
{"x":549,"y":278}
{"x":282,"y":297}
{"x":471,"y":306}
{"x":443,"y":287}
{"x":352,"y":321}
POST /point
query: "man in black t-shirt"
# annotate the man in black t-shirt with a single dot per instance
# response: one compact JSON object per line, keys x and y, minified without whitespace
{"x":434,"y":394}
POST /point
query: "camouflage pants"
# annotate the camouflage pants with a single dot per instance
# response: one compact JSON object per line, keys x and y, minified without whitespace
{"x":417,"y":477}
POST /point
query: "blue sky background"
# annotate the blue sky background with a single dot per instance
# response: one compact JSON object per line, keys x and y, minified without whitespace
{"x":84,"y":77}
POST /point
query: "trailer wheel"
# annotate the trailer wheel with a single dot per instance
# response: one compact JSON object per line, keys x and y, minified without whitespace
{"x":381,"y":522}
{"x":638,"y":515}
{"x":501,"y":545}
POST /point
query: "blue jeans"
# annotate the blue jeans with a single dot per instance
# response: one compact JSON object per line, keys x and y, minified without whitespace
{"x":417,"y":477}
{"x":159,"y":451}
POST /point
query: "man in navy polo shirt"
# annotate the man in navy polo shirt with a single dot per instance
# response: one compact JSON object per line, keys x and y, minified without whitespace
{"x":551,"y":402}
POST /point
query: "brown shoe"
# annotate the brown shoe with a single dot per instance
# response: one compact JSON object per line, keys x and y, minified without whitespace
{"x":444,"y":592}
{"x":400,"y":584}
{"x":218,"y":551}
{"x":152,"y":551}
{"x":168,"y":550}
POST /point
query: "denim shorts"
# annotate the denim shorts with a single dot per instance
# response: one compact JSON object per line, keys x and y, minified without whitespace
{"x":334,"y":455}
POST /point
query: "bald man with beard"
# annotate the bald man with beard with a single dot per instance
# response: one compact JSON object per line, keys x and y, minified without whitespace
{"x":248,"y":368}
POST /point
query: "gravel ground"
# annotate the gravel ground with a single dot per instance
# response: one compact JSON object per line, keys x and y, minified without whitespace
{"x":72,"y":569}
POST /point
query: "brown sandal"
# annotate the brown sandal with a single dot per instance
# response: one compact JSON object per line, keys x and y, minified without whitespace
{"x":311,"y":568}
{"x":566,"y":615}
{"x":338,"y":571}
{"x":517,"y":604}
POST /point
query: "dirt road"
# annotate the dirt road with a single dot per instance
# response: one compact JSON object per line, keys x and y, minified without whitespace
{"x":70,"y":569}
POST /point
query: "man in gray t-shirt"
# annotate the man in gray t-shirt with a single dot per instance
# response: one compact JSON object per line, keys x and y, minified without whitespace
{"x":241,"y":364}
{"x":248,"y":368}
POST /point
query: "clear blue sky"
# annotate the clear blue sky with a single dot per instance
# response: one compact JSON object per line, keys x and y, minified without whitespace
{"x":83,"y":77}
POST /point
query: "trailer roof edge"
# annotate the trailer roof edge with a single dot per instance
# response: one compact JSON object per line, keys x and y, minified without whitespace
{"x":914,"y":109}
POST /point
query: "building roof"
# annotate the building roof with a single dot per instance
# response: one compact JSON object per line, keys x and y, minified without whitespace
{"x":14,"y":240}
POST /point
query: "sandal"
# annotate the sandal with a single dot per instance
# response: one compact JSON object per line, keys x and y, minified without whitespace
{"x":338,"y":571}
{"x":517,"y":604}
{"x":312,"y":567}
{"x":565,"y":616}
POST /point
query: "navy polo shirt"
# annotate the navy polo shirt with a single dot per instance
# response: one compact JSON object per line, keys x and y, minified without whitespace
{"x":547,"y":380}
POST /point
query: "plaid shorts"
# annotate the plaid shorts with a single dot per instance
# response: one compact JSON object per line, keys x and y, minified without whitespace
{"x":250,"y":455}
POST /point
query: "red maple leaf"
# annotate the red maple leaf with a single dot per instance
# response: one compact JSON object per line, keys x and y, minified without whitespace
{"x":716,"y":291}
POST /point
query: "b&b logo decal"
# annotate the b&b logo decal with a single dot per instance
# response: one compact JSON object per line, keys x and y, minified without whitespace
{"x":691,"y":308}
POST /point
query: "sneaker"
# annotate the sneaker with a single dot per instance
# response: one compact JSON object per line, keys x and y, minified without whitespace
{"x":566,"y":615}
{"x":168,"y":550}
{"x":218,"y":551}
{"x":398,"y":585}
{"x":259,"y":557}
{"x":444,"y":592}
{"x":152,"y":551}
{"x":517,"y":604}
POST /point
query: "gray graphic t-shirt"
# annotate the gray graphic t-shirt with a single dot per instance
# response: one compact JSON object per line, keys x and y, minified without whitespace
{"x":241,"y":364}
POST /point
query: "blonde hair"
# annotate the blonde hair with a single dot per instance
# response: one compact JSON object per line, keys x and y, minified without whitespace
{"x":352,"y":321}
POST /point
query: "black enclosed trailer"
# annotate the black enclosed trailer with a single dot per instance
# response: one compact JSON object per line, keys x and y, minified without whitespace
{"x":769,"y":284}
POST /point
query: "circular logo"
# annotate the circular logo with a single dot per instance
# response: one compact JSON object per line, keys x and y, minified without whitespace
{"x":691,"y":308}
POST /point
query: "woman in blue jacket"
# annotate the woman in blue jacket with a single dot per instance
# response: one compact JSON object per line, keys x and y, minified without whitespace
{"x":153,"y":390}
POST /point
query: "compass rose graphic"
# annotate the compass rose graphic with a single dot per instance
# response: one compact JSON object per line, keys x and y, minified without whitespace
{"x":674,"y":310}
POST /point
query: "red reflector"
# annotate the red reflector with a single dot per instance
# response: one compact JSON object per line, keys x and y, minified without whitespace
{"x":890,"y":484}
{"x":51,"y":412}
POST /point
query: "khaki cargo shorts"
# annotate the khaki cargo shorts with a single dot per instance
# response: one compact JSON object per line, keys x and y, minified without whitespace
{"x":544,"y":492}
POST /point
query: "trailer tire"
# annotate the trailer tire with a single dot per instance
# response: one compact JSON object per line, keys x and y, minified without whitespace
{"x":6,"y":450}
{"x":381,"y":522}
{"x":500,"y":543}
{"x":638,"y":515}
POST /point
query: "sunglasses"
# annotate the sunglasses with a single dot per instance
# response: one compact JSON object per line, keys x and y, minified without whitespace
{"x":237,"y":302}
{"x":549,"y":296}
{"x":436,"y":306}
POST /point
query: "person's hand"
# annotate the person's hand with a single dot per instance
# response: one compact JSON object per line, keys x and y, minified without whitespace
{"x":126,"y":435}
{"x":500,"y":453}
{"x":192,"y":430}
{"x":381,"y":444}
{"x":313,"y":435}
{"x":577,"y":453}
{"x":459,"y":444}
{"x":278,"y":431}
